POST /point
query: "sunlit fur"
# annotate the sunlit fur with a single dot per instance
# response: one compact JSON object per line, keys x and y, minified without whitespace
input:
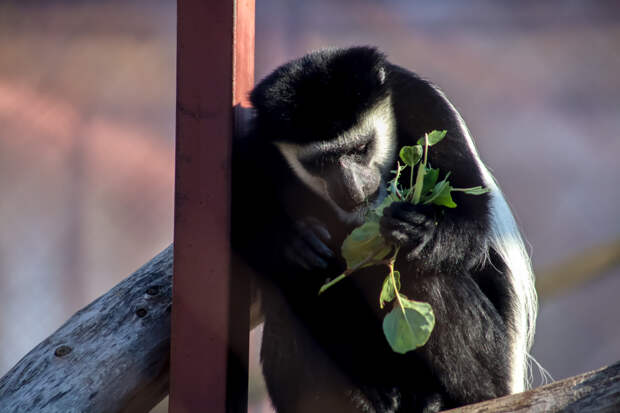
{"x":507,"y":241}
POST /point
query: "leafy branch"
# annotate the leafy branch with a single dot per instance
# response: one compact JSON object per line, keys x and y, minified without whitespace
{"x":409,"y":324}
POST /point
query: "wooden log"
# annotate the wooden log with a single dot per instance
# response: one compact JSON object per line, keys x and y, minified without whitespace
{"x":111,"y":356}
{"x":594,"y":392}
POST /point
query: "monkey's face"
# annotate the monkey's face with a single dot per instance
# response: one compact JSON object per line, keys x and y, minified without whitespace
{"x":349,"y":171}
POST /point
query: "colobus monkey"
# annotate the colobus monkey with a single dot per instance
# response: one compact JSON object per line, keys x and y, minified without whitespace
{"x":324,"y":140}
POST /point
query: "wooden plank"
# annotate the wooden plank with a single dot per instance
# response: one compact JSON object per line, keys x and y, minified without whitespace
{"x":243,"y":81}
{"x":209,"y":346}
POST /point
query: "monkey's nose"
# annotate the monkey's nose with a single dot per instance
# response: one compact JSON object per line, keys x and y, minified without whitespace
{"x":350,"y":184}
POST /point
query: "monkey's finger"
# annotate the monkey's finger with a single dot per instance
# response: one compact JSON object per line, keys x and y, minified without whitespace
{"x":304,"y":251}
{"x":320,"y":228}
{"x":415,"y":253}
{"x":314,"y":258}
{"x":316,"y":244}
{"x":403,"y":233}
{"x":405,"y":211}
{"x":390,"y":225}
{"x":291,"y":255}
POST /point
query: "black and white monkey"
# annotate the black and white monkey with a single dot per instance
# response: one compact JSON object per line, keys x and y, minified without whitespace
{"x":325,"y":138}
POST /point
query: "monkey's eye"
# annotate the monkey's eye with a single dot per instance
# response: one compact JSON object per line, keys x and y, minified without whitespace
{"x":362,"y":149}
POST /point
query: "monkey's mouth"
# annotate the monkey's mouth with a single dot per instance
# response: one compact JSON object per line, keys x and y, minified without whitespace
{"x":357,"y":215}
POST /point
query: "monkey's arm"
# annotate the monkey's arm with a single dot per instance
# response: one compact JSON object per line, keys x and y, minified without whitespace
{"x":435,"y":237}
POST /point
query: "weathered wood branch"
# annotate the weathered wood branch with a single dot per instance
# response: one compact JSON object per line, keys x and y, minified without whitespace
{"x":594,"y":392}
{"x":113,"y":356}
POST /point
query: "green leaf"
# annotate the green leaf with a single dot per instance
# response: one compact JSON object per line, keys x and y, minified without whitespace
{"x":433,"y":137}
{"x":406,"y":193}
{"x":389,"y":199}
{"x":387,"y":291}
{"x":411,"y":155}
{"x":363,"y":242}
{"x":442,"y":189}
{"x":409,"y":327}
{"x":442,"y":195}
{"x":372,"y":215}
{"x":430,"y":179}
{"x":419,"y":183}
{"x":444,"y":198}
{"x":476,"y":190}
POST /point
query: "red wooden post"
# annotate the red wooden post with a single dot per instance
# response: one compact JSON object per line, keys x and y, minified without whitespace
{"x":210,"y":313}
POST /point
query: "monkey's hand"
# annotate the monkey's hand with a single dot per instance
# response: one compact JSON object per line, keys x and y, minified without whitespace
{"x":409,"y":226}
{"x":307,"y":245}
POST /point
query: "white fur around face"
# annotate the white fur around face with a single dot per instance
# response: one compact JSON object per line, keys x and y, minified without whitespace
{"x":379,"y":119}
{"x":292,"y":153}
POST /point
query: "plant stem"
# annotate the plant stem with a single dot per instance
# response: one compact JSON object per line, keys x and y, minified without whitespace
{"x":393,"y":279}
{"x":332,"y":282}
{"x":419,"y":182}
{"x":481,"y":188}
{"x":395,"y":181}
{"x":348,"y":271}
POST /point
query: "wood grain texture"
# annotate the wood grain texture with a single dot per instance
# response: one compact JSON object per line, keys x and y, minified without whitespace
{"x":594,"y":392}
{"x":111,"y":356}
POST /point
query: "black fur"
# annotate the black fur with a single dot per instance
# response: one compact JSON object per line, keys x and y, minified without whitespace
{"x":292,"y":100}
{"x":327,"y":353}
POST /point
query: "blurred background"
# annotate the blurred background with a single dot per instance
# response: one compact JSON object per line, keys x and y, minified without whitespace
{"x":87,"y":100}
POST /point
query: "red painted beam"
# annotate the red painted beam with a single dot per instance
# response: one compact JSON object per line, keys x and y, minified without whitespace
{"x":210,"y":312}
